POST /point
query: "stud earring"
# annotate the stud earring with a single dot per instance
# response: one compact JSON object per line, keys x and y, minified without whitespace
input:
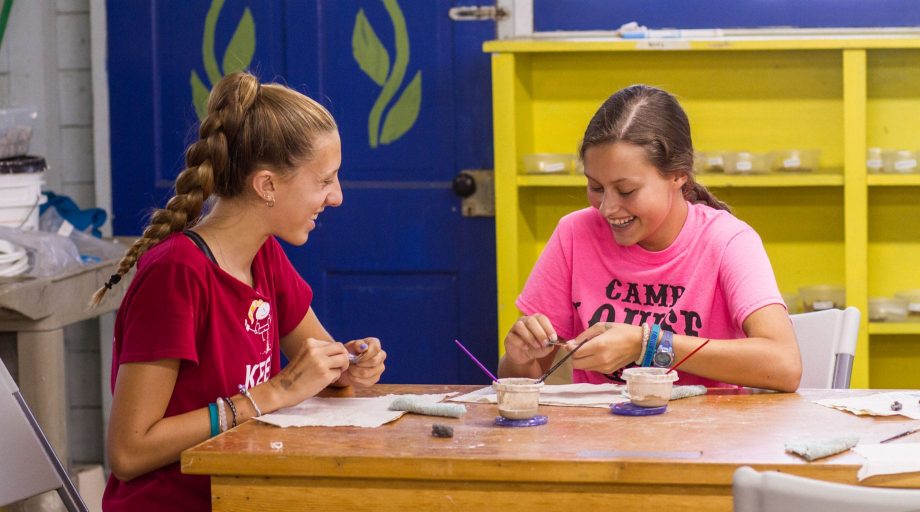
{"x":269,"y":201}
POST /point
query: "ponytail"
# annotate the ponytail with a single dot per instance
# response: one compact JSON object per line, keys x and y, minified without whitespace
{"x":697,"y":193}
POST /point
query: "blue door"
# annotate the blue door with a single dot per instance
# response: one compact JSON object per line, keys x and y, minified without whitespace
{"x":411,"y":93}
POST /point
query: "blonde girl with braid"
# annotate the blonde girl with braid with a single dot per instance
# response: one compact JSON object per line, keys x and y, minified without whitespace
{"x":654,"y":268}
{"x":214,"y":299}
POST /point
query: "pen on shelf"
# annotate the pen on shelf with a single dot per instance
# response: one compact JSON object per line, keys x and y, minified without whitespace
{"x":480,"y":365}
{"x":902,"y":434}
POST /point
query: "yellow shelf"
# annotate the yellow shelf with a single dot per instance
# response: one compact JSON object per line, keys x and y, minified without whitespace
{"x":710,"y":180}
{"x":772,"y":180}
{"x":894,"y":327}
{"x":893,"y":180}
{"x":551,"y":180}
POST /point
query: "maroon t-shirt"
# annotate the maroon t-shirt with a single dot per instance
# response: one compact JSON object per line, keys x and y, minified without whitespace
{"x":181,"y":305}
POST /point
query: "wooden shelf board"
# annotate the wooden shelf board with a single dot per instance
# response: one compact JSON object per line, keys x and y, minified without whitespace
{"x":893,"y":180}
{"x":894,"y":327}
{"x":710,"y":180}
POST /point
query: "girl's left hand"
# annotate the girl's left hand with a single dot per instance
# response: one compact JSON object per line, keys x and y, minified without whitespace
{"x":610,"y":347}
{"x":369,"y":366}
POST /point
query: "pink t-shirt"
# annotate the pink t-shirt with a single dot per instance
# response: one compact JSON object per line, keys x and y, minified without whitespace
{"x":181,"y":305}
{"x":706,"y":283}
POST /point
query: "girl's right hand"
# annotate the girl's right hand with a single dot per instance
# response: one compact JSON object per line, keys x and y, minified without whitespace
{"x":317,"y":365}
{"x":528,"y":339}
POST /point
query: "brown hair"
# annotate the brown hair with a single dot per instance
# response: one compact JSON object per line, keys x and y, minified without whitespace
{"x":248,"y":125}
{"x":652,"y":119}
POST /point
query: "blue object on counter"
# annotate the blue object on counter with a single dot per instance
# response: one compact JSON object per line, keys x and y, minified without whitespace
{"x":536,"y":421}
{"x":81,"y":219}
{"x":631,"y":409}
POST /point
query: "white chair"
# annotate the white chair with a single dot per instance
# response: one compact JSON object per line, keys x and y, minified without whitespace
{"x":827,"y":341}
{"x":30,"y":466}
{"x":772,"y":491}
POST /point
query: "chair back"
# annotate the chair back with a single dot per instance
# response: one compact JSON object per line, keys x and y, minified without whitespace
{"x":772,"y":491}
{"x":827,"y":341}
{"x":30,"y":466}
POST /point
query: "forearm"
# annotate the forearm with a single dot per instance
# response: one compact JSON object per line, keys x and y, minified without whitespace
{"x":163,"y":443}
{"x":132,"y":454}
{"x":753,"y":362}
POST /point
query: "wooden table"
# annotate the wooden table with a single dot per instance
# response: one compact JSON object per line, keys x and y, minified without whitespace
{"x":681,"y":460}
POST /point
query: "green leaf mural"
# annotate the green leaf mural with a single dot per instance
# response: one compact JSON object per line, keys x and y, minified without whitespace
{"x":237,"y":56}
{"x":242,"y":45}
{"x":368,"y":51}
{"x":373,"y":58}
{"x":404,"y":112}
{"x":207,"y":42}
{"x":199,"y":95}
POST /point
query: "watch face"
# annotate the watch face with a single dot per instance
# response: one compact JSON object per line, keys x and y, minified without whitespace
{"x":663,"y":359}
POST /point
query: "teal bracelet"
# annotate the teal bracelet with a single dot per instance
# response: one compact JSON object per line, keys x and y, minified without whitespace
{"x":652,"y":346}
{"x":215,"y":428}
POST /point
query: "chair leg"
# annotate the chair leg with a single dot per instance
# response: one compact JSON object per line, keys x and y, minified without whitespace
{"x":843,"y":367}
{"x":67,"y":492}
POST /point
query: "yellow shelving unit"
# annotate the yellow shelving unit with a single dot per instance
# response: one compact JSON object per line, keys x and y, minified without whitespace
{"x":839,"y":95}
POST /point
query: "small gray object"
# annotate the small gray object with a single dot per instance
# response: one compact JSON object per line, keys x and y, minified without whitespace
{"x":896,"y":406}
{"x":414,"y":404}
{"x":438,"y":430}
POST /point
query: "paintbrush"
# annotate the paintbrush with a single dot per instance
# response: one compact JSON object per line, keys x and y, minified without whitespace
{"x":480,"y":365}
{"x":902,"y":434}
{"x":686,"y":357}
{"x":560,"y":361}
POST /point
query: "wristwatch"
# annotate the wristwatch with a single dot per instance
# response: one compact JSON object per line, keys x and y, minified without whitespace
{"x":664,"y":356}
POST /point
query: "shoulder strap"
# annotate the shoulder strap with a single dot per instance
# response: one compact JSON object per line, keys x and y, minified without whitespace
{"x":195,"y":237}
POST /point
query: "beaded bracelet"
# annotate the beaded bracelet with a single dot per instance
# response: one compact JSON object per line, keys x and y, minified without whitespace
{"x":645,"y":334}
{"x":222,"y":415}
{"x":212,"y":413}
{"x":232,"y":409}
{"x":652,"y":346}
{"x":245,"y":392}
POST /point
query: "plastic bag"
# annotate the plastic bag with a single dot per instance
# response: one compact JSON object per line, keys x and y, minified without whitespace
{"x":92,"y":250}
{"x":48,"y":254}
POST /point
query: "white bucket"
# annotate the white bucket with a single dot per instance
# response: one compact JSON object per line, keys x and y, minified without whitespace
{"x":20,"y":198}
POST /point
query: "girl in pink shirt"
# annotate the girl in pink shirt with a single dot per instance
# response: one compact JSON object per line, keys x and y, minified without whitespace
{"x":655,"y":267}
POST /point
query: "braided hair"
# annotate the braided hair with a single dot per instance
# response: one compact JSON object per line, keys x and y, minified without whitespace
{"x":247,"y":125}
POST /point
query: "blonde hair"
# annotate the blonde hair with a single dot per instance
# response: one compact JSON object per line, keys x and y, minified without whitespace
{"x":248,"y":125}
